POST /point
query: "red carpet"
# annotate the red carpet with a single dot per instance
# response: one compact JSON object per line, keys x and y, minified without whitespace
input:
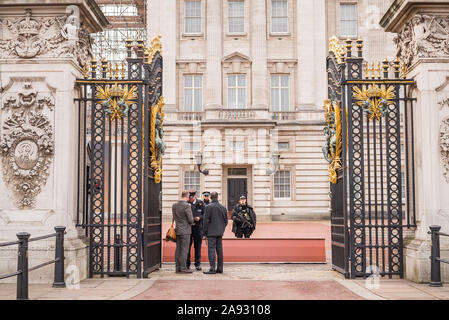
{"x":271,"y":242}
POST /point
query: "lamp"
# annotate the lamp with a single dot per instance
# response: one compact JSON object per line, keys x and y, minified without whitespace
{"x":275,"y":157}
{"x":199,"y":162}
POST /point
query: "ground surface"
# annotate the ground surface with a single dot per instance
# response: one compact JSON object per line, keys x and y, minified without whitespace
{"x":242,"y":281}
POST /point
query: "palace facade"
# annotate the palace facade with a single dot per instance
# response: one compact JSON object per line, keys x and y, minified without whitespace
{"x":244,"y":82}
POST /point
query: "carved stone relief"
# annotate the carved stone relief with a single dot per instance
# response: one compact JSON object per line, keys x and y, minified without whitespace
{"x":30,"y":37}
{"x":444,"y":147}
{"x":26,"y":144}
{"x":424,"y":36}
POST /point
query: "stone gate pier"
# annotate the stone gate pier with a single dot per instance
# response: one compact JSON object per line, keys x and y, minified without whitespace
{"x":43,"y":48}
{"x":422,"y":29}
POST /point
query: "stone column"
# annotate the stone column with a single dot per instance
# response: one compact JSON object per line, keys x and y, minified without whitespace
{"x":162,"y":20}
{"x":214,"y":54}
{"x":422,"y":41}
{"x":42,"y":51}
{"x":258,"y":49}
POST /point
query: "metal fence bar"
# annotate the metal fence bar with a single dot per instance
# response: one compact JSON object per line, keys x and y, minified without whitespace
{"x":435,"y":260}
{"x":22,"y":261}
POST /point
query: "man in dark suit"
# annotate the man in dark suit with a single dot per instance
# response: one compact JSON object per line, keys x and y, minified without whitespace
{"x":214,"y":225}
{"x":182,"y":215}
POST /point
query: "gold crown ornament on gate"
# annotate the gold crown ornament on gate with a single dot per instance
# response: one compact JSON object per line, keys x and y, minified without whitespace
{"x":374,"y":100}
{"x":116,"y":100}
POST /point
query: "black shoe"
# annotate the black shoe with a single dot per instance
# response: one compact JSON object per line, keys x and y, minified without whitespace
{"x":219,"y":271}
{"x":211,"y":271}
{"x":184,"y":271}
{"x":198,"y":268}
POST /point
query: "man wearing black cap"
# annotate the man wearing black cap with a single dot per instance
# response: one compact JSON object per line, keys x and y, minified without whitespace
{"x":244,"y":219}
{"x":206,"y":197}
{"x":197,"y":229}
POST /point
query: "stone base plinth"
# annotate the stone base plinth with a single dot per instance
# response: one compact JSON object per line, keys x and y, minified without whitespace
{"x":417,"y":261}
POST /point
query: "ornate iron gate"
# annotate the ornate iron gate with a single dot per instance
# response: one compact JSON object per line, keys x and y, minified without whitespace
{"x":369,"y":147}
{"x":120,"y":149}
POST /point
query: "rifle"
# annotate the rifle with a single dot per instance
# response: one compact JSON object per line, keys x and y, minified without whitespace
{"x":243,"y":220}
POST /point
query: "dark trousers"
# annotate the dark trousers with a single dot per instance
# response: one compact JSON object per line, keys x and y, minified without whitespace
{"x":215,"y":244}
{"x":197,"y":239}
{"x":240,"y":232}
{"x":182,"y":246}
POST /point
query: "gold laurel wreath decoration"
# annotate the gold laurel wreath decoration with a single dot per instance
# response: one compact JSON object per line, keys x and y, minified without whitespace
{"x":156,"y":159}
{"x":377,"y":98}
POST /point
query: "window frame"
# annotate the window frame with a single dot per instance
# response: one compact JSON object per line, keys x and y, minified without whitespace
{"x":193,"y":88}
{"x":279,"y":88}
{"x":341,"y":4}
{"x":241,"y":17}
{"x":289,"y":170}
{"x":197,"y":176}
{"x":236,"y":88}
{"x":186,"y":19}
{"x":286,"y":17}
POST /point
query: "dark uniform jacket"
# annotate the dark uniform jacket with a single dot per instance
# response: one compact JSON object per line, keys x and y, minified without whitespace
{"x":198,"y":211}
{"x":215,"y":220}
{"x":243,"y":209}
{"x":183,"y":217}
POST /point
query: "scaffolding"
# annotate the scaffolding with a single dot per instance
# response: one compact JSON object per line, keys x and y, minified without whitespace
{"x":128,"y":21}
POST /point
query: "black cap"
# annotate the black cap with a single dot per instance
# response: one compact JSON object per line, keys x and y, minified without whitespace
{"x":206,"y":193}
{"x":243,"y":197}
{"x":192,"y":192}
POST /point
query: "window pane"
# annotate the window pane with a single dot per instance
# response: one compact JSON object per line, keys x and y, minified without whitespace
{"x":275,"y":99}
{"x":282,"y":184}
{"x":236,"y":25}
{"x":274,"y":81}
{"x":242,"y":100}
{"x":198,"y":100}
{"x":284,"y":81}
{"x":242,"y":81}
{"x":236,"y":9}
{"x":188,"y":81}
{"x":188,"y":100}
{"x":231,"y":81}
{"x":348,"y":19}
{"x":284,"y":99}
{"x":198,"y":81}
{"x":231,"y":98}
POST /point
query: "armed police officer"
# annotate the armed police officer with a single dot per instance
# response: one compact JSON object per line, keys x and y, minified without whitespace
{"x":197,"y":229}
{"x":244,"y":219}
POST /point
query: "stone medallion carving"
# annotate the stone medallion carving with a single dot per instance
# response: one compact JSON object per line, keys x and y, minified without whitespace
{"x":424,"y":36}
{"x":30,"y":37}
{"x":26,"y":144}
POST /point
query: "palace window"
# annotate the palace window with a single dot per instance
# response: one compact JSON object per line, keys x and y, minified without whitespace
{"x":282,"y":184}
{"x":192,"y":17}
{"x":192,"y":146}
{"x":280,"y":91}
{"x":116,"y":10}
{"x":348,"y":20}
{"x":193,"y":93}
{"x":236,"y":91}
{"x":279,"y":16}
{"x":236,"y":16}
{"x":283,"y":146}
{"x":192,"y":180}
{"x":237,"y":145}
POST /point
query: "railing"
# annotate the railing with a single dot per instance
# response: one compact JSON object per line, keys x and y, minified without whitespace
{"x":190,"y":116}
{"x":435,"y":265}
{"x":22,"y":261}
{"x":237,"y":115}
{"x":283,"y":115}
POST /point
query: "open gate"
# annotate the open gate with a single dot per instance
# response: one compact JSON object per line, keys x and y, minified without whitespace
{"x":120,"y":161}
{"x":369,"y":147}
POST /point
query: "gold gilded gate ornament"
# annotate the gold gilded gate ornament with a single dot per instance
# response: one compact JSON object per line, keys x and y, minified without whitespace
{"x":374,"y":100}
{"x":157,"y":144}
{"x":333,"y":134}
{"x":116,"y":100}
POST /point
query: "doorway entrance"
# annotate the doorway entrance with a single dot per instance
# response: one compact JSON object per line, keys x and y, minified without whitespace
{"x":236,"y":188}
